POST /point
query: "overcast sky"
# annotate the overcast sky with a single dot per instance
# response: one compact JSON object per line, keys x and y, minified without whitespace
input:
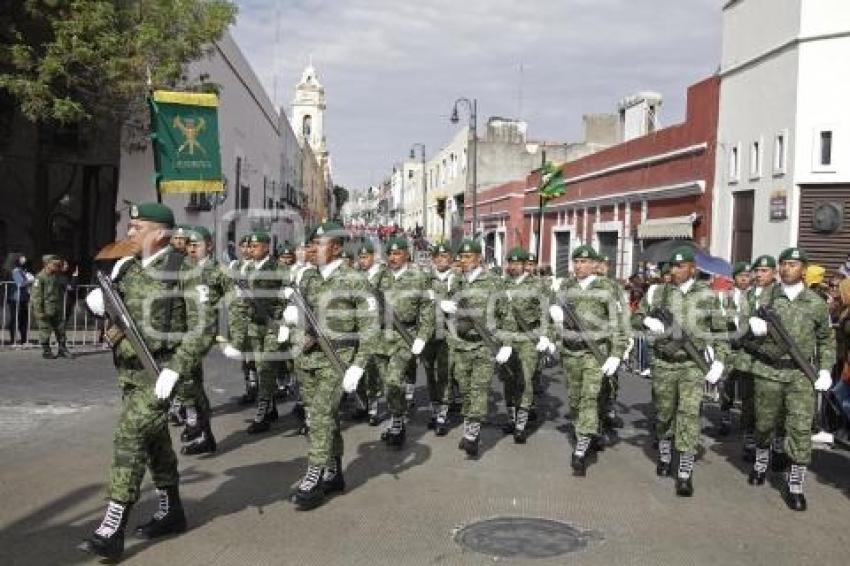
{"x":392,"y":68}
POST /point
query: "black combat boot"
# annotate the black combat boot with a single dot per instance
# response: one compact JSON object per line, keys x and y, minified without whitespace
{"x":63,"y":351}
{"x":374,"y":414}
{"x":409,"y":391}
{"x":793,"y":491}
{"x":665,"y":456}
{"x":396,"y":433}
{"x":510,"y":425}
{"x":169,"y":519}
{"x":579,"y":458}
{"x":778,"y":458}
{"x":266,"y":414}
{"x":441,"y":424}
{"x":309,"y":493}
{"x":521,"y":426}
{"x":46,"y":352}
{"x":759,"y":471}
{"x":203,"y":444}
{"x":749,"y":448}
{"x":300,"y":414}
{"x":332,"y":479}
{"x":107,"y":541}
{"x":684,"y":477}
{"x":471,"y":438}
{"x":193,"y":429}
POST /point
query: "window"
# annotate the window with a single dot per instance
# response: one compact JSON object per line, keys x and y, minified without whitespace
{"x":734,"y":164}
{"x":755,"y":159}
{"x":307,"y":126}
{"x":826,"y":148}
{"x":780,"y":152}
{"x":410,"y":174}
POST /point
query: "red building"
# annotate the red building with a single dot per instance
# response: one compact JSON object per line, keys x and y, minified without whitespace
{"x":654,"y":187}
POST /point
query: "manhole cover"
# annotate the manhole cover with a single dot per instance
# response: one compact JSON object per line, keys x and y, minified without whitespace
{"x":521,"y":537}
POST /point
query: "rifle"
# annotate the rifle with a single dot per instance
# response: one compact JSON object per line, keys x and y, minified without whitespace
{"x":488,"y":338}
{"x":680,"y":335}
{"x":315,"y":329}
{"x":260,"y":307}
{"x":398,"y":326}
{"x":780,"y":334}
{"x":119,"y":315}
{"x":571,"y":318}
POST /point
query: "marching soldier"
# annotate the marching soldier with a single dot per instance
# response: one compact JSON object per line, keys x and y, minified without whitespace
{"x":408,"y":299}
{"x":372,"y":387}
{"x":779,"y":381}
{"x":437,"y":353}
{"x":205,"y":284}
{"x":523,"y":319}
{"x":596,"y":303}
{"x":677,"y":380}
{"x":350,"y":327}
{"x":473,"y":365}
{"x":48,"y":302}
{"x":611,"y":384}
{"x":740,"y":363}
{"x":238,"y":314}
{"x":179,"y":238}
{"x":147,"y":285}
{"x":286,"y":267}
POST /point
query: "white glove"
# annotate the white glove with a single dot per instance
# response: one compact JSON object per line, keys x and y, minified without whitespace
{"x":287,"y":292}
{"x":94,"y":300}
{"x":758,"y":326}
{"x":290,"y":315}
{"x":543,"y":344}
{"x":504,"y":354}
{"x":417,"y":346}
{"x":610,"y":366}
{"x":709,"y":354}
{"x":231,"y":353}
{"x":557,"y":314}
{"x":714,"y":372}
{"x":448,"y":307}
{"x":654,"y":325}
{"x":165,"y":383}
{"x":283,"y":334}
{"x":824,"y":380}
{"x":351,"y":378}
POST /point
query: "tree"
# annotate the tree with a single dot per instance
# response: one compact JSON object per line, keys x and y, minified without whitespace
{"x":340,"y":197}
{"x":72,"y":60}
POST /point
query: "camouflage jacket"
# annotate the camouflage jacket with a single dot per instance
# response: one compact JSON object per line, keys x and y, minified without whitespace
{"x":600,"y":311}
{"x":238,"y":309}
{"x":442,"y":285}
{"x":481,"y":300}
{"x":264,"y":300}
{"x":348,"y":315}
{"x":409,"y":297}
{"x":48,"y":295}
{"x":699,"y":314}
{"x":807,"y":320}
{"x":204,"y":285}
{"x":526,"y":307}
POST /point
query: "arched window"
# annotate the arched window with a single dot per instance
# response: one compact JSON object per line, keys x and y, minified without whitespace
{"x":307,"y":126}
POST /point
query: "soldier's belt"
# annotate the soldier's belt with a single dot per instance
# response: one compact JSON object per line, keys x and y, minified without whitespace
{"x":775,"y":363}
{"x":470,"y":337}
{"x":677,"y":358}
{"x":313,"y":344}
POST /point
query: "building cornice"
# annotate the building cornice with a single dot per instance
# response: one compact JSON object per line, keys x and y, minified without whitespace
{"x":775,"y":50}
{"x":688,"y":188}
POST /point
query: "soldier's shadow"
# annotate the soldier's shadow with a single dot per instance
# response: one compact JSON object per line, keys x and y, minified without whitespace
{"x":375,"y":458}
{"x":287,"y":425}
{"x":830,"y":467}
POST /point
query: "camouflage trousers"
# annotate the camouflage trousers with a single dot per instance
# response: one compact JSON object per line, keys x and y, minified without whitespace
{"x":321,"y":390}
{"x":394,"y":369}
{"x":371,"y":387}
{"x":272,"y":360}
{"x":584,"y":381}
{"x":746,"y":390}
{"x":49,"y":325}
{"x":519,"y":375}
{"x":792,"y":398}
{"x":677,"y":389}
{"x":436,"y":358}
{"x":473,"y":370}
{"x":141,"y":441}
{"x":190,"y":392}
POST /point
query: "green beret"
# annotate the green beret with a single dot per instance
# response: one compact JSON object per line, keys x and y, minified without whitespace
{"x":47,"y":258}
{"x":441,"y":248}
{"x":765,"y":261}
{"x":396,"y":243}
{"x":604,"y":258}
{"x":285,"y":249}
{"x":261,"y":237}
{"x":245,"y":239}
{"x":468,"y":245}
{"x":794,"y":254}
{"x":682,"y":254}
{"x":365,"y":248}
{"x":532,"y":257}
{"x":198,"y":233}
{"x":517,"y":254}
{"x":740,"y":267}
{"x":331,"y":229}
{"x":181,"y":231}
{"x":152,"y":211}
{"x":585,"y":252}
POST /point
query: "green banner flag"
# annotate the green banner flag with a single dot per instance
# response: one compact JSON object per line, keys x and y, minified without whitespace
{"x":552,"y":184}
{"x":184,"y":128}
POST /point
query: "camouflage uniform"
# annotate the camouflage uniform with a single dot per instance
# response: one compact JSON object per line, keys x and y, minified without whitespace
{"x":437,"y":353}
{"x":740,"y":305}
{"x":48,"y":302}
{"x":238,"y":319}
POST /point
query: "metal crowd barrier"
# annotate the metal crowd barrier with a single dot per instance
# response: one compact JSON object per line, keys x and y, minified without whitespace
{"x":82,"y":330}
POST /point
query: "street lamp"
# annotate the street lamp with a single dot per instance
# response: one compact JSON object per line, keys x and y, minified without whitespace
{"x":421,"y":146}
{"x":472,"y":106}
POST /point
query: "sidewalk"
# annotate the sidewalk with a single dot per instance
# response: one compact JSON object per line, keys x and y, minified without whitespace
{"x":401,"y":507}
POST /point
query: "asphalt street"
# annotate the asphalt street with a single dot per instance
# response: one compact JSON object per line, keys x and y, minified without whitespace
{"x":400,"y":507}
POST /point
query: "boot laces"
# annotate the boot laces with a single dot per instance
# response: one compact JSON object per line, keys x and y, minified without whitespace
{"x":521,"y":419}
{"x":582,"y":444}
{"x":311,"y":478}
{"x":686,"y":465}
{"x":396,"y":424}
{"x":442,"y":414}
{"x":330,"y":471}
{"x":796,"y":477}
{"x":111,"y":521}
{"x":762,"y":459}
{"x":262,"y":410}
{"x":164,"y":505}
{"x":471,"y":430}
{"x":665,"y":451}
{"x":191,"y":416}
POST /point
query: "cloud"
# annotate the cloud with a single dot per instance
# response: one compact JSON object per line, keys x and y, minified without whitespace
{"x":392,"y":69}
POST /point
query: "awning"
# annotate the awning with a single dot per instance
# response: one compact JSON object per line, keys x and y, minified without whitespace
{"x":666,"y":228}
